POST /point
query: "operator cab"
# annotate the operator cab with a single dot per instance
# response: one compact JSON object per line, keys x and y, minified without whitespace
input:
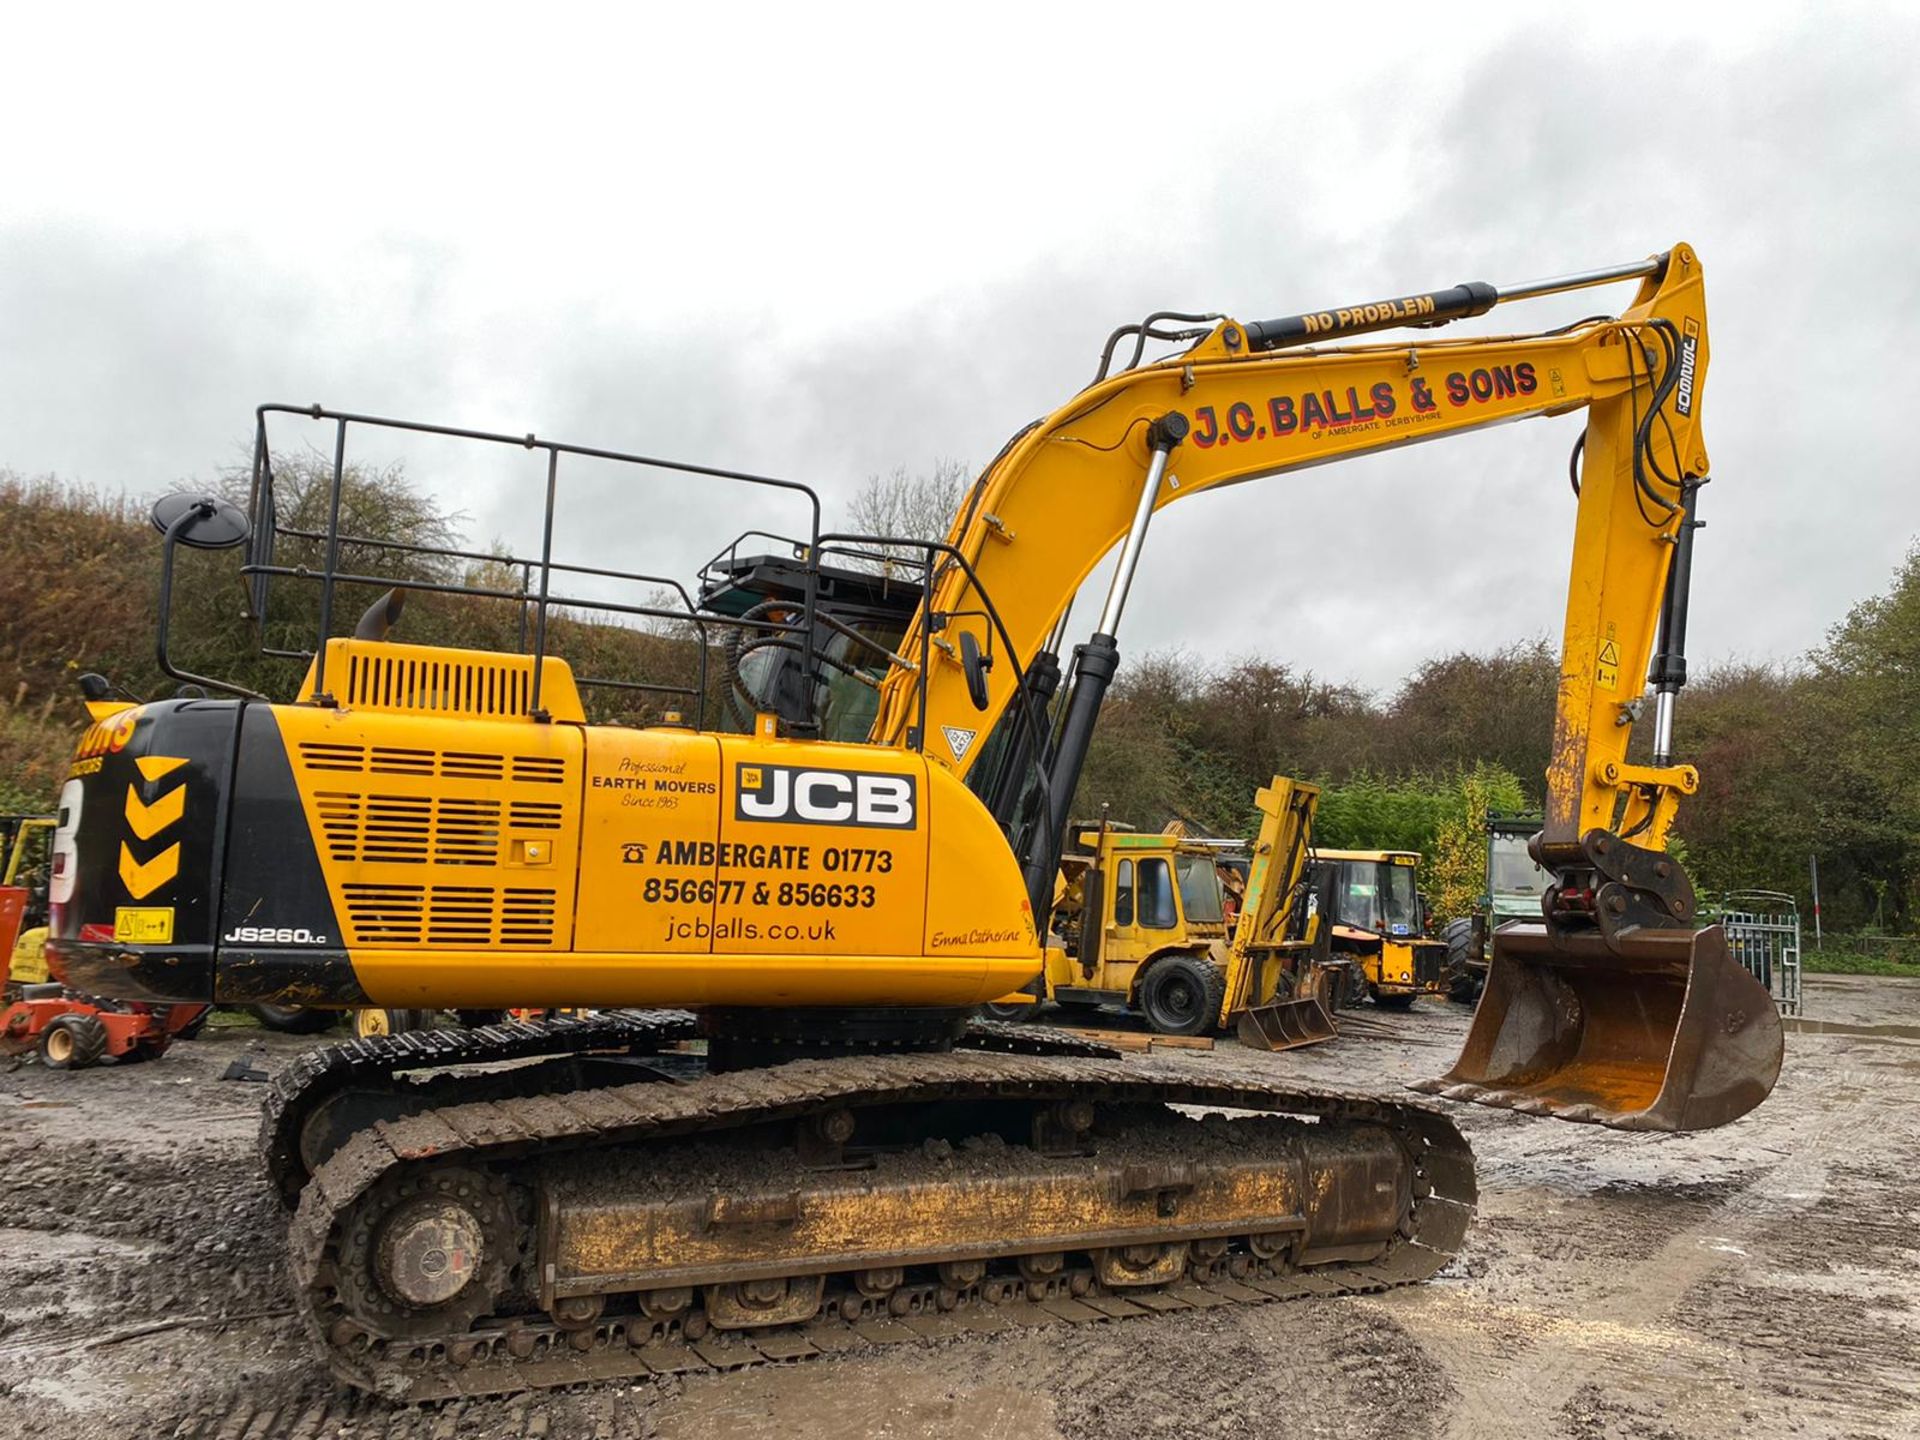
{"x":1379,"y":921}
{"x":1375,"y":891}
{"x":861,"y":619}
{"x":1515,"y":880}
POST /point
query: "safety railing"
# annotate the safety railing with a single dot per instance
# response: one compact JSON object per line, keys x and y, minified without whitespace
{"x":329,"y":555}
{"x":534,"y":583}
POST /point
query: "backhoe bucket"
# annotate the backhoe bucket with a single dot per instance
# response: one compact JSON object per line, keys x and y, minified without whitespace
{"x":1285,"y":1025}
{"x":1657,"y":1030}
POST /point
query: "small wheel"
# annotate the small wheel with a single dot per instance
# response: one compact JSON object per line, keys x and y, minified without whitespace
{"x":1392,"y":1002}
{"x":373,"y":1022}
{"x":294,"y":1019}
{"x":994,"y":1010}
{"x":1182,"y":994}
{"x":73,"y":1042}
{"x":370,"y":1024}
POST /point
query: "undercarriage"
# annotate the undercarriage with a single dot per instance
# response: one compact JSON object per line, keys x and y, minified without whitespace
{"x":628,"y":1214}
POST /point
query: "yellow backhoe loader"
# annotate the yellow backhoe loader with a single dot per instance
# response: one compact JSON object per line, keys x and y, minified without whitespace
{"x":1141,"y":921}
{"x":833,"y":894}
{"x":1378,"y":918}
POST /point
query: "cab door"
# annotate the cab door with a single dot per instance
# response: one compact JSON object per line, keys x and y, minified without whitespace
{"x":1143,"y":916}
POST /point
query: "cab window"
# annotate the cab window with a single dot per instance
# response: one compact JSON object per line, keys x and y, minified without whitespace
{"x":1200,"y":889}
{"x":1156,"y":896}
{"x":1123,"y":893}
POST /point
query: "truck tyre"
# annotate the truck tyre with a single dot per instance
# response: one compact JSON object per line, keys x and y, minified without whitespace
{"x":1392,"y":1002}
{"x":1463,"y":982}
{"x":294,"y":1019}
{"x":73,"y":1042}
{"x":1182,"y":995}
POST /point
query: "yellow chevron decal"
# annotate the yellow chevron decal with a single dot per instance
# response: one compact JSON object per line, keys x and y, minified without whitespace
{"x":158,"y":767}
{"x":147,"y":821}
{"x":142,"y":880}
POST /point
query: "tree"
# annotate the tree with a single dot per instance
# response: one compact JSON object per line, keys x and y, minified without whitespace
{"x":1863,"y":695}
{"x":908,"y":506}
{"x":1463,"y":708}
{"x":1455,"y":864}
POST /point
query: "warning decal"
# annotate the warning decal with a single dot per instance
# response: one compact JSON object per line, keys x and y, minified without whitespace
{"x":1606,"y":672}
{"x":959,"y":741}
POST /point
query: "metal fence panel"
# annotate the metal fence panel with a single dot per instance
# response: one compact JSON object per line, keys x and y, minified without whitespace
{"x":1763,"y":934}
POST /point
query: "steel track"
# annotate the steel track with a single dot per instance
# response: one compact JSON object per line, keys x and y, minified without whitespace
{"x":386,"y":1061}
{"x":400,"y":1062}
{"x":530,"y":1352}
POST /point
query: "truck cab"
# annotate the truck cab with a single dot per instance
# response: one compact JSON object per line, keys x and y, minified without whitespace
{"x":1142,"y":921}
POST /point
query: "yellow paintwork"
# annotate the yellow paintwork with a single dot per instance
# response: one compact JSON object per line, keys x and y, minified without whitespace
{"x":1263,"y":965}
{"x":1386,"y":960}
{"x":17,"y":855}
{"x":1389,"y":964}
{"x":493,"y":862}
{"x":1042,"y":516}
{"x":28,"y":963}
{"x":1126,"y":949}
{"x":451,"y":684}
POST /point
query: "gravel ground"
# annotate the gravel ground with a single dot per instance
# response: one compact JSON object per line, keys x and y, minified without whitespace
{"x":1758,"y":1280}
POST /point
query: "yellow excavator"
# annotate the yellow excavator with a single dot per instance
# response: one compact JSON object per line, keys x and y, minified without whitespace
{"x":852,"y":1155}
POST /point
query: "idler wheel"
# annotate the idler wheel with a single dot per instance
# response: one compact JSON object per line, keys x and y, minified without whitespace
{"x":429,"y":1251}
{"x":426,"y":1254}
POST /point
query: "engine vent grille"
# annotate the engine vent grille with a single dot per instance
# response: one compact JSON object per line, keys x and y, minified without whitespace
{"x":467,"y":915}
{"x":438,"y":680}
{"x":447,"y":764}
{"x":420,"y":829}
{"x":444,"y":687}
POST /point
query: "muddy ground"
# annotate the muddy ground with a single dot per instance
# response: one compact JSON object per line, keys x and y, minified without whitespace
{"x":1757,"y":1280}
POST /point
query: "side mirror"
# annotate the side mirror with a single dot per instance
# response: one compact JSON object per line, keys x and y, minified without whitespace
{"x":205,"y":522}
{"x":976,"y":666}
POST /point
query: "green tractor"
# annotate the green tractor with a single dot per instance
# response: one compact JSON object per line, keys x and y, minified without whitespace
{"x":1514,"y":887}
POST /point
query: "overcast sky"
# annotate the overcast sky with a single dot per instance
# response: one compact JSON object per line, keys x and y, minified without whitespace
{"x":823,"y":242}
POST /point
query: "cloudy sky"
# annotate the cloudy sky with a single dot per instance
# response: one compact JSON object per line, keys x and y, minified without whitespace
{"x":822,"y":242}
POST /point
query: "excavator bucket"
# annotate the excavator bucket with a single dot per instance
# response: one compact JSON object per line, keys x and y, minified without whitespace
{"x":1285,"y":1025}
{"x":1656,"y":1030}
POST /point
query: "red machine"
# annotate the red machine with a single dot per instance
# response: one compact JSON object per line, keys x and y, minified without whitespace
{"x":70,"y":1032}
